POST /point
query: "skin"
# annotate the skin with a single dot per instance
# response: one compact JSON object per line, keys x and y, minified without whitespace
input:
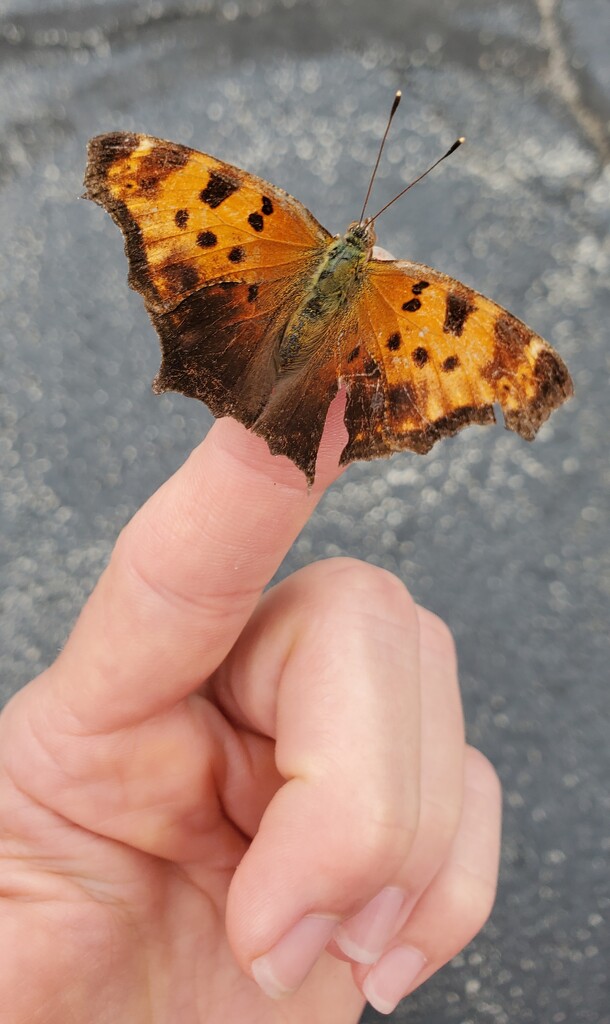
{"x":202,"y":766}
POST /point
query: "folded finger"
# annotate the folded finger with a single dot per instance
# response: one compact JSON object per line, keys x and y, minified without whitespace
{"x":457,"y":902}
{"x":364,"y":937}
{"x":329,"y":668}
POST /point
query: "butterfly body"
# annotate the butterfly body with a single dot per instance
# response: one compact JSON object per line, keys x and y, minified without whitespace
{"x":262,"y":313}
{"x":332,"y":290}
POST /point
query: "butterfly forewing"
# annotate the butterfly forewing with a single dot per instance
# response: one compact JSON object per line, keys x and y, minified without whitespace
{"x":220,"y":256}
{"x":442,"y":355}
{"x":191,"y":220}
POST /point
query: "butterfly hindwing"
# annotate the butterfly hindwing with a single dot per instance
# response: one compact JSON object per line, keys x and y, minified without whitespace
{"x":215,"y":346}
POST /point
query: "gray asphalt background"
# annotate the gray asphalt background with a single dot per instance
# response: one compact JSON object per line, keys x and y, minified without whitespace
{"x":507,"y":541}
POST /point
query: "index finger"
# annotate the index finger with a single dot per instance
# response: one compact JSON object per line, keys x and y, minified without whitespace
{"x":186,"y":574}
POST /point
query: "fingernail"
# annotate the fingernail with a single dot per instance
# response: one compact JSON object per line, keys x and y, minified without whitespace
{"x":364,"y":936}
{"x":392,"y":977}
{"x":280,"y":971}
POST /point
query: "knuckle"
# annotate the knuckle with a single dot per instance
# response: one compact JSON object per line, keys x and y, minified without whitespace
{"x":380,"y":848}
{"x":468,"y":901}
{"x":436,"y":635}
{"x":137,"y":558}
{"x":391,"y":592}
{"x":439,"y":821}
{"x":377,"y":587}
{"x":358,"y":596}
{"x":481,"y":776}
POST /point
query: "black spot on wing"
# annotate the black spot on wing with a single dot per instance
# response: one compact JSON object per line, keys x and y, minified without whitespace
{"x":206,"y":239}
{"x":181,"y":218}
{"x":267,"y":206}
{"x":457,"y":310}
{"x":237,"y":254}
{"x":218,"y":188}
{"x":412,"y":305}
{"x":419,"y":356}
{"x":393,"y":342}
{"x":252,"y":292}
{"x":418,"y":288}
{"x":255,"y":220}
{"x":450,"y":363}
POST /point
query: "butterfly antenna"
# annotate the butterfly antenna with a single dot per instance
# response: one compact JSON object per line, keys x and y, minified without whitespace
{"x":452,"y":149}
{"x":395,"y":103}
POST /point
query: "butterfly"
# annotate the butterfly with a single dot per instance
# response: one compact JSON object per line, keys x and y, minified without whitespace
{"x":262,"y":313}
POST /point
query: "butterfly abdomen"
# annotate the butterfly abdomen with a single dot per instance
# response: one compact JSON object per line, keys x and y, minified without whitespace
{"x":332,"y":287}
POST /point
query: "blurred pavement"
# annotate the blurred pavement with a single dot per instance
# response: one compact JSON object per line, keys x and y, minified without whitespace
{"x":507,"y":541}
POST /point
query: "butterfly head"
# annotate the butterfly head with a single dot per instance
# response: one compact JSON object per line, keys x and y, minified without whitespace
{"x":361,"y":235}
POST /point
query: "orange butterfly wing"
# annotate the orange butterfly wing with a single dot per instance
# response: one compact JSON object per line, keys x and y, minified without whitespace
{"x":224,"y":260}
{"x":434,"y":356}
{"x":220,"y":257}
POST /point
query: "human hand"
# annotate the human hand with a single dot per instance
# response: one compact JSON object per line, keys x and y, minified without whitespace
{"x":210,"y":787}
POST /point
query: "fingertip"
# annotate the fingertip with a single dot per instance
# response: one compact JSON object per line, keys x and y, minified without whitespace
{"x":333,"y":442}
{"x":249,"y":455}
{"x":283,"y":969}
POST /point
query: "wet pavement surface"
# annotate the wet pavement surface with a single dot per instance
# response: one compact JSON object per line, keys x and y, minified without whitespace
{"x":507,"y":541}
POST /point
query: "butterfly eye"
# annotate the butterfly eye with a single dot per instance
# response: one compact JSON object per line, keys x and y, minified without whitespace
{"x":363,"y":235}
